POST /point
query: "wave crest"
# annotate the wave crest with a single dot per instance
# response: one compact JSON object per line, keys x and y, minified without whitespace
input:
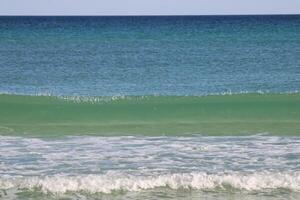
{"x":108,"y":183}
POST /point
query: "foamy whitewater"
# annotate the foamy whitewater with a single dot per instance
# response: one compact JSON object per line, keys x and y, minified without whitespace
{"x":111,"y":166}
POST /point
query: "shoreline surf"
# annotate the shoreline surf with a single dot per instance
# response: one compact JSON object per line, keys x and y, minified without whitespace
{"x":252,"y":167}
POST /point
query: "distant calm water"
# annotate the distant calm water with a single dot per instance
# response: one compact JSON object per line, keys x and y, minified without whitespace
{"x":149,"y":55}
{"x":126,"y":117}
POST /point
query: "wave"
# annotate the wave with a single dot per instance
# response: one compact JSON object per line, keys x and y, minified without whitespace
{"x":234,"y":114}
{"x":92,"y":99}
{"x":109,"y":183}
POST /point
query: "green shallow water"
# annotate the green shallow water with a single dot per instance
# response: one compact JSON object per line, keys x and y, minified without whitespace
{"x":241,"y":114}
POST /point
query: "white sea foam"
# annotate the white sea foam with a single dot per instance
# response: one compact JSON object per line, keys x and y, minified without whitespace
{"x":108,"y":164}
{"x":91,"y":99}
{"x":199,"y":181}
{"x":97,"y":155}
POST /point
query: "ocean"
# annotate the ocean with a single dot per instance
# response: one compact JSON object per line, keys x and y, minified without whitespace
{"x":152,"y":107}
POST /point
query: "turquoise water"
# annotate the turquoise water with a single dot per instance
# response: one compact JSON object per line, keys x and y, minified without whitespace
{"x":239,"y":114}
{"x":187,"y":107}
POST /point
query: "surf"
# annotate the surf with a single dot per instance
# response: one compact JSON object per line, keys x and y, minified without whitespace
{"x":43,"y":168}
{"x":109,"y":183}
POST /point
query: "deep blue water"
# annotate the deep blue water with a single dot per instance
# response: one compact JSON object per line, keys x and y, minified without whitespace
{"x":188,"y":55}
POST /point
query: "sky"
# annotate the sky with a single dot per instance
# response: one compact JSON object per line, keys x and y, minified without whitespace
{"x":148,"y":7}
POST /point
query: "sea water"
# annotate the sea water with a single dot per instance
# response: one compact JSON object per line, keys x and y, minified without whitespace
{"x":189,"y":107}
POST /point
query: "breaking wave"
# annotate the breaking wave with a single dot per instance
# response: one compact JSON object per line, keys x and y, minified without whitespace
{"x":109,"y":183}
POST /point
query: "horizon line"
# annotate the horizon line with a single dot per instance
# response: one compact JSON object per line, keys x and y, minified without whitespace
{"x":150,"y":15}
